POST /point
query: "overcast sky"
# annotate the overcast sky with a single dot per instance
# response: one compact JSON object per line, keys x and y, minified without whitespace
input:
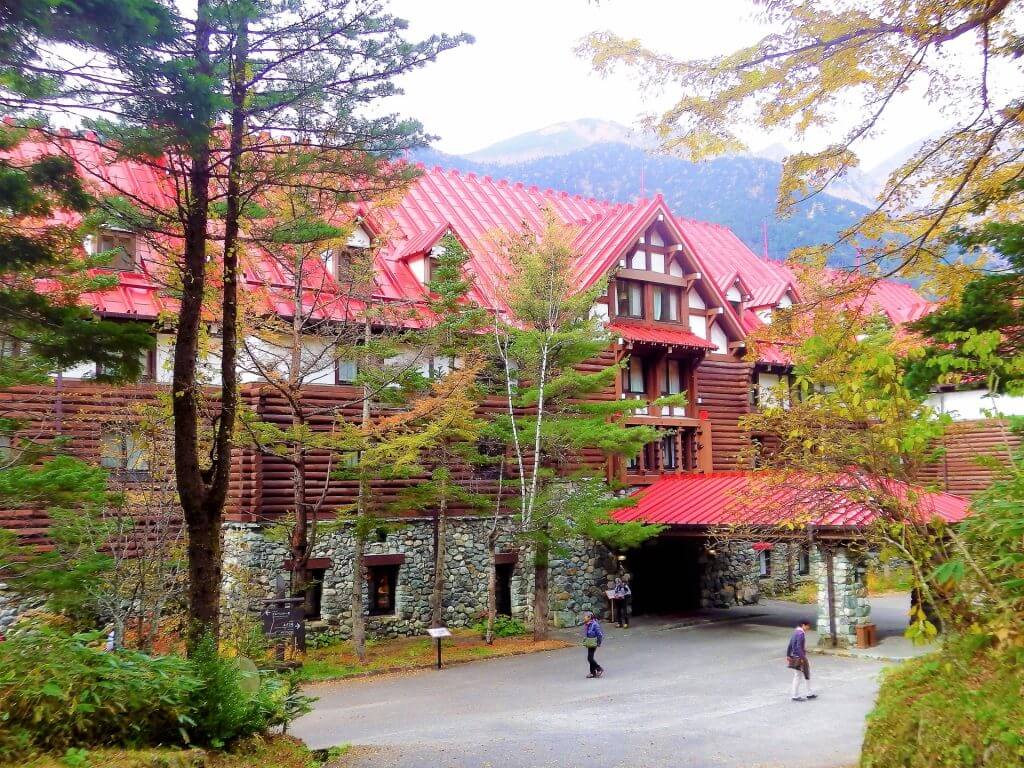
{"x":522,"y":74}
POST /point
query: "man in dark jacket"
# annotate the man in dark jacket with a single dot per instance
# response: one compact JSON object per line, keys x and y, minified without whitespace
{"x":592,"y":637}
{"x":796,"y":659}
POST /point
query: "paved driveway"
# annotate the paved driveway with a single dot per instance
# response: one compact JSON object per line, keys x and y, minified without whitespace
{"x":672,"y":695}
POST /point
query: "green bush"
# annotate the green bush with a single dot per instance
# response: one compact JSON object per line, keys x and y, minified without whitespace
{"x":504,"y":626}
{"x":59,"y":691}
{"x":960,"y":707}
{"x":227,"y":706}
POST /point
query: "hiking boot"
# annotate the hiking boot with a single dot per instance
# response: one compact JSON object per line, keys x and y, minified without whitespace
{"x":812,"y":695}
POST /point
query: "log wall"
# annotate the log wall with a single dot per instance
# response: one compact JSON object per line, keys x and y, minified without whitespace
{"x":723,"y":386}
{"x":971,"y":448}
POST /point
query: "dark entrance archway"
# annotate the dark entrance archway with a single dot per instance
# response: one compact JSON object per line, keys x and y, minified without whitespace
{"x":666,"y":575}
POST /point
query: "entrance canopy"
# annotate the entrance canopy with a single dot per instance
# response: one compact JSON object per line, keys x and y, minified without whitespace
{"x":772,"y":500}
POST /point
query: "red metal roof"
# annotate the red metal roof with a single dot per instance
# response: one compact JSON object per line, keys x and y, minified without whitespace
{"x":668,"y":336}
{"x":758,"y":499}
{"x":481,"y":211}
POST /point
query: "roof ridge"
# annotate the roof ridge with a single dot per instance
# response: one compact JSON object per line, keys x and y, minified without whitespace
{"x":507,"y":181}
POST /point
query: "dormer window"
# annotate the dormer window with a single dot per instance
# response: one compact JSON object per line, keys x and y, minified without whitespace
{"x":431,"y":262}
{"x":735,"y":296}
{"x":120,"y":246}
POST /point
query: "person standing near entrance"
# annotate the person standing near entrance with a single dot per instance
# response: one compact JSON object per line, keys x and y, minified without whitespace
{"x":620,"y":602}
{"x":796,"y":659}
{"x":592,"y":637}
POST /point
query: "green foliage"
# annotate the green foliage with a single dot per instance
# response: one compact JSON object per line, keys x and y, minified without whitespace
{"x":223,"y":710}
{"x":504,"y":626}
{"x":979,"y":335}
{"x":59,"y":691}
{"x":554,"y":334}
{"x":959,"y":707}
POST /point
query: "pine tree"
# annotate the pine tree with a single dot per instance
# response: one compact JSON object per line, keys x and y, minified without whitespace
{"x":200,"y":108}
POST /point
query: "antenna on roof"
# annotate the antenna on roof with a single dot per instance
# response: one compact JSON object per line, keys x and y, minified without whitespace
{"x":764,"y":238}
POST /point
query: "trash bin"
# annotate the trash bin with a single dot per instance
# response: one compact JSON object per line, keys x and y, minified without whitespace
{"x":866,"y":637}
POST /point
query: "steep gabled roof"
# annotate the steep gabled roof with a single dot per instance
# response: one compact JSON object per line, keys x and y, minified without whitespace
{"x":480,"y":211}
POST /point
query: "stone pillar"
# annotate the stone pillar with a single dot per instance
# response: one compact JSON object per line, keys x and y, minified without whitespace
{"x":850,"y":604}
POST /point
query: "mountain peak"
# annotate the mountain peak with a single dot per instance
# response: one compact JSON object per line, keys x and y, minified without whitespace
{"x":557,"y":139}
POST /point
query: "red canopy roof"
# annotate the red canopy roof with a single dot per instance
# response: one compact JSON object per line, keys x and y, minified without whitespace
{"x":758,"y":499}
{"x":668,"y":336}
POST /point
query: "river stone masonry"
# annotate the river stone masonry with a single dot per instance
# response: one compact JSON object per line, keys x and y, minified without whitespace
{"x":579,"y":574}
{"x":851,"y":605}
{"x":729,"y":576}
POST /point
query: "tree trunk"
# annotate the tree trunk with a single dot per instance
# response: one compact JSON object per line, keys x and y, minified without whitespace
{"x":202,"y":492}
{"x":437,"y":593}
{"x":358,"y":578}
{"x":358,"y":538}
{"x":541,"y":563}
{"x":492,"y":583}
{"x":300,"y":533}
{"x":203,"y":547}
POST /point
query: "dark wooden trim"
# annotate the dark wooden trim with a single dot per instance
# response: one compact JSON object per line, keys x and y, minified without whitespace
{"x":374,"y":560}
{"x":645,"y":276}
{"x":506,"y":558}
{"x":314,"y":563}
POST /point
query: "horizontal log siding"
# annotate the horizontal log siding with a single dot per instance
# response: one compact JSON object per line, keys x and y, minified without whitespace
{"x":723,"y":387}
{"x":959,"y":471}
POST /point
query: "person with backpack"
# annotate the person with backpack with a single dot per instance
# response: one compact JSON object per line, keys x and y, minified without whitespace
{"x":796,"y":659}
{"x":592,"y":637}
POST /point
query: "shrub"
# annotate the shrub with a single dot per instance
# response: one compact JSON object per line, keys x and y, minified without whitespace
{"x":504,"y":626}
{"x":961,"y":707}
{"x":59,"y":690}
{"x":229,"y":705}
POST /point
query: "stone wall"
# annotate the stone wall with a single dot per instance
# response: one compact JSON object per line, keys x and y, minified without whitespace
{"x":13,"y":605}
{"x":851,"y":604}
{"x":579,"y":575}
{"x":785,"y":573}
{"x":729,"y":576}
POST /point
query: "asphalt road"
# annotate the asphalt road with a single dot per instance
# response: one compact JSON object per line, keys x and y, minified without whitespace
{"x":672,"y":695}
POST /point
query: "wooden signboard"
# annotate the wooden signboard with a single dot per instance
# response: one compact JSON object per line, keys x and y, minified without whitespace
{"x":284,"y":619}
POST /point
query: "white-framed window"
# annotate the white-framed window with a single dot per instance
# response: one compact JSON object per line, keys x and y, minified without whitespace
{"x":346,"y":371}
{"x":764,"y":563}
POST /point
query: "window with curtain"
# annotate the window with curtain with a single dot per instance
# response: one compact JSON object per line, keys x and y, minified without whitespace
{"x":666,"y":303}
{"x":629,"y":299}
{"x":633,"y":378}
{"x":669,"y":455}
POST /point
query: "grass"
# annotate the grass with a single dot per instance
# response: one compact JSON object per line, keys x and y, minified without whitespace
{"x":896,"y":580}
{"x":961,"y":706}
{"x":273,"y":752}
{"x":338,"y":662}
{"x":879,"y":583}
